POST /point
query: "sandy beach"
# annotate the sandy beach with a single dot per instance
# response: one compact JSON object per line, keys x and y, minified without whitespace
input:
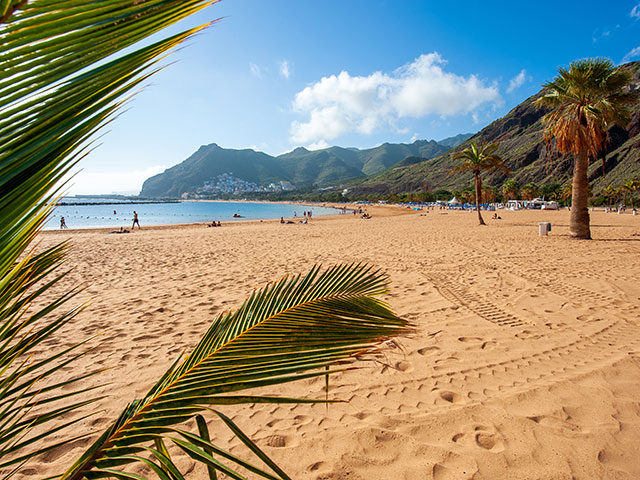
{"x":525,"y":362}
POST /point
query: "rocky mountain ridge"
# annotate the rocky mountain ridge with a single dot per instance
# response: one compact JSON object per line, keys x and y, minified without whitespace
{"x":300,"y":167}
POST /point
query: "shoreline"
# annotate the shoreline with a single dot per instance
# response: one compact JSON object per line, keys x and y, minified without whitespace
{"x":166,"y":226}
{"x":380,"y":209}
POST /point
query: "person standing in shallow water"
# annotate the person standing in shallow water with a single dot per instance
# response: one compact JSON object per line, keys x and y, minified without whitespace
{"x":135,"y":220}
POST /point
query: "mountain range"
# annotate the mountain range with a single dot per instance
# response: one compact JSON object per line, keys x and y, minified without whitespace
{"x":301,"y":167}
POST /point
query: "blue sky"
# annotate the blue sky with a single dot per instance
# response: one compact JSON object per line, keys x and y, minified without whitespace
{"x":274,"y":75}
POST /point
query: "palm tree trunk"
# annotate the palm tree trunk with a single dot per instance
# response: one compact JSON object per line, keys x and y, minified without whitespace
{"x":579,"y":222}
{"x":478,"y":197}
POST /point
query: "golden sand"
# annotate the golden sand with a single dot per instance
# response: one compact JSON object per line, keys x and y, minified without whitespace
{"x":525,"y":362}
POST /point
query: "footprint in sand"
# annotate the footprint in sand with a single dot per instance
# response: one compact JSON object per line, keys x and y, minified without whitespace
{"x":362,"y":415}
{"x":277,"y":441}
{"x":449,"y":397}
{"x":485,"y":440}
{"x":427,"y":351}
{"x":315,"y":466}
{"x":527,"y":335}
{"x":480,"y":436}
{"x":403,"y":366}
{"x":302,"y":419}
{"x":144,"y":337}
{"x":469,"y":339}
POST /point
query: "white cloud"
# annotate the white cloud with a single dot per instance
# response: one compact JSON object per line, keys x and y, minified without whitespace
{"x":319,"y":145}
{"x":285,"y":69}
{"x":255,"y":70}
{"x":517,"y":81}
{"x":87,"y":182}
{"x":342,"y":103}
{"x":632,"y":54}
{"x":635,"y":12}
{"x":415,"y":137}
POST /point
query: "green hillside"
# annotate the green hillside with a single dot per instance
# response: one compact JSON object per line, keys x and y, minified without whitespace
{"x":306,"y":167}
{"x":208,"y":162}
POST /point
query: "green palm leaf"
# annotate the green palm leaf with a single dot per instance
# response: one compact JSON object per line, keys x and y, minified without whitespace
{"x":285,"y":332}
{"x":59,"y":84}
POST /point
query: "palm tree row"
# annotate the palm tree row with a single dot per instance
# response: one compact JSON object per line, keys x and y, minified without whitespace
{"x":623,"y":192}
{"x":511,"y":190}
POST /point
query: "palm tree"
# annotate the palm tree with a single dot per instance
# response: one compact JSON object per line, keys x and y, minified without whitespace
{"x":489,"y":194}
{"x":64,"y":77}
{"x":610,"y":193}
{"x":585,"y":100}
{"x":630,"y":186}
{"x":530,"y":191}
{"x":636,"y":187}
{"x":511,"y":190}
{"x":468,"y":196}
{"x":476,"y":160}
{"x":567,"y":192}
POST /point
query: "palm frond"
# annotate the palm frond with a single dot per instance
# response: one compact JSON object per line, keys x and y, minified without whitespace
{"x":287,"y":331}
{"x":479,"y":158}
{"x":59,"y":84}
{"x":585,"y":99}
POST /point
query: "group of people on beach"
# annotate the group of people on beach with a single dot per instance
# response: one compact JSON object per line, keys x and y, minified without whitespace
{"x":136,"y":221}
{"x":306,"y":217}
{"x":214,"y":224}
{"x":622,"y":208}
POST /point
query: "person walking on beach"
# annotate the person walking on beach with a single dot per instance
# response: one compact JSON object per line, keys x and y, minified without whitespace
{"x":63,"y":224}
{"x":135,"y":220}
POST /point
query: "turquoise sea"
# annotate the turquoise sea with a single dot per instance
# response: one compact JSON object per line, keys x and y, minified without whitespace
{"x":119,"y":214}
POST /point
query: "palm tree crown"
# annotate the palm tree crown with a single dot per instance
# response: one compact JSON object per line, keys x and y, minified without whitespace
{"x":476,"y":160}
{"x":586,"y":98}
{"x":479,"y":158}
{"x":511,"y":190}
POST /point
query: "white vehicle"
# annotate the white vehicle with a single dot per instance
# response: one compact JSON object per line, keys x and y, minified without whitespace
{"x":515,"y":204}
{"x":550,"y":206}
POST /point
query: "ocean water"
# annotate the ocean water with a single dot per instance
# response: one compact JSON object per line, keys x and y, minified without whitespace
{"x":116,"y":215}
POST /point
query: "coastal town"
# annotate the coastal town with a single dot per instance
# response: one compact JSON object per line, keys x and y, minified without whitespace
{"x":227,"y":183}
